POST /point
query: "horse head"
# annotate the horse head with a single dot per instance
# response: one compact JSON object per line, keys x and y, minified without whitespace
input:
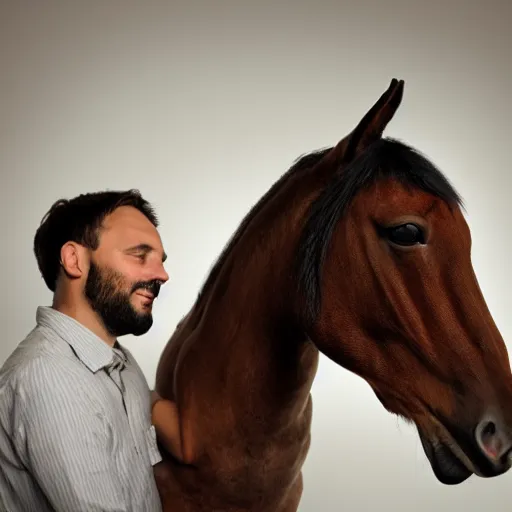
{"x":389,"y":292}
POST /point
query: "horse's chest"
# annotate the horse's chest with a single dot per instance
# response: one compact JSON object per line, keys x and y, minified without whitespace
{"x":257,"y":466}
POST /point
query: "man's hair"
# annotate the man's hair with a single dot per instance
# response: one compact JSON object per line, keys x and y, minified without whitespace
{"x":79,"y":220}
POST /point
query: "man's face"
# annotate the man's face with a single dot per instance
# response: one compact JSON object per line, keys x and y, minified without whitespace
{"x":126,"y":272}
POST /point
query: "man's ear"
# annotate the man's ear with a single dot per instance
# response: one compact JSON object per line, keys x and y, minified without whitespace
{"x":74,"y":259}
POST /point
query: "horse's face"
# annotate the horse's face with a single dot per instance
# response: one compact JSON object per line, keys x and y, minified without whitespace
{"x":402,"y":308}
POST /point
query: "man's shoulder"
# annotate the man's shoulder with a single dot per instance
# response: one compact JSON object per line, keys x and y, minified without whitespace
{"x":43,"y":384}
{"x":20,"y":372}
{"x":29,"y":349}
{"x":35,"y":363}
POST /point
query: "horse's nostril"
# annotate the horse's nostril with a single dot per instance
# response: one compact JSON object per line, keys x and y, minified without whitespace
{"x":493,"y":442}
{"x":489,"y":429}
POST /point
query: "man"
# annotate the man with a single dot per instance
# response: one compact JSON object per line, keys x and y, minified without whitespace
{"x":75,"y":409}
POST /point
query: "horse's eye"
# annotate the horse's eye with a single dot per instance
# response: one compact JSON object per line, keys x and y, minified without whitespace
{"x":406,"y":234}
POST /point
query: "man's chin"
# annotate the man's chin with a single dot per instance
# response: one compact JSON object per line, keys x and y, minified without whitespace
{"x":138,"y":324}
{"x":144,"y":325}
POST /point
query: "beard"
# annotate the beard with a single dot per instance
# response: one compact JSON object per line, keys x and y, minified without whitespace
{"x":105,"y":290}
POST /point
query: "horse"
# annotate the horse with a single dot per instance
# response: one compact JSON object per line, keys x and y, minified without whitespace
{"x":360,"y":252}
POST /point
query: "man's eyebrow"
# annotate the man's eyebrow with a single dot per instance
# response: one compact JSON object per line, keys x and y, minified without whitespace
{"x":145,"y":248}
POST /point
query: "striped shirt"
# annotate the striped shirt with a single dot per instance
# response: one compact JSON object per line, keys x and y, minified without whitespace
{"x":75,"y":424}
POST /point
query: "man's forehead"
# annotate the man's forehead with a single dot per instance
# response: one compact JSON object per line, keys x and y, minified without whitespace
{"x":129,"y":225}
{"x":126,"y":216}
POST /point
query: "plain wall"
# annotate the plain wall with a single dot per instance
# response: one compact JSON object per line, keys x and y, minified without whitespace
{"x":202,"y":106}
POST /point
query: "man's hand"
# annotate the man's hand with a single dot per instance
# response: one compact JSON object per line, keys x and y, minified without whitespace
{"x":165,"y":418}
{"x":155,"y":397}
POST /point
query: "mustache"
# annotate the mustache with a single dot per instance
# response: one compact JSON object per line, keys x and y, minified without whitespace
{"x":152,"y":286}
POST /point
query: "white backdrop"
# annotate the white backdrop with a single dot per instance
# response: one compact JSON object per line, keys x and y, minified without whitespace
{"x":202,"y":106}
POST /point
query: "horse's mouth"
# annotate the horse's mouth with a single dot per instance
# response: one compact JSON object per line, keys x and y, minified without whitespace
{"x":454,"y":458}
{"x":450,"y":463}
{"x":446,"y":465}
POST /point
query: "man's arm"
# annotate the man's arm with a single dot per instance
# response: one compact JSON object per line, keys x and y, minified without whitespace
{"x":165,"y":418}
{"x":64,"y":442}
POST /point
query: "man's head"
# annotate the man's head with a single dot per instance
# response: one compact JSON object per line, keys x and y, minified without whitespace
{"x":103,"y":250}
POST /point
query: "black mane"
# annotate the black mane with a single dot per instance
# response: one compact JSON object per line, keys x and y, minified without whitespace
{"x":384,"y":158}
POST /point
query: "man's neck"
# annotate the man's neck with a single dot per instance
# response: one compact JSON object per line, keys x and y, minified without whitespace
{"x":85,"y":316}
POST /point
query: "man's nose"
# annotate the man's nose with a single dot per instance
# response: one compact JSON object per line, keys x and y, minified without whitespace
{"x":161,"y":274}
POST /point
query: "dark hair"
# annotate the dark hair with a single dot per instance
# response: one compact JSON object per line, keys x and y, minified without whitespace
{"x":79,"y":220}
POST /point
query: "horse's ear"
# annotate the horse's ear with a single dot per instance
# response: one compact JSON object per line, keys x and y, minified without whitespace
{"x":371,"y":127}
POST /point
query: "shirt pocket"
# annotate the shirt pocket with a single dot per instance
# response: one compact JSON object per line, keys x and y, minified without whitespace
{"x":152,"y":446}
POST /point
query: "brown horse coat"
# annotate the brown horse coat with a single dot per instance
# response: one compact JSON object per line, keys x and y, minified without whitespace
{"x":360,"y":252}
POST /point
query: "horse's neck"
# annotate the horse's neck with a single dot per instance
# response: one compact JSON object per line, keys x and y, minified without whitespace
{"x":244,"y":351}
{"x":247,"y":359}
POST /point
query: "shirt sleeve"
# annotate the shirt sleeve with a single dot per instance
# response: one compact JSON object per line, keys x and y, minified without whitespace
{"x":64,"y":442}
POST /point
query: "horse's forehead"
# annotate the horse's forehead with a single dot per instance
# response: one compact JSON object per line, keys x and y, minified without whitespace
{"x":390,"y":195}
{"x":387,"y":202}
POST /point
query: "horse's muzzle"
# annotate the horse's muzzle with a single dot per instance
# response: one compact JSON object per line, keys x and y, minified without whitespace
{"x":493,"y":441}
{"x":488,"y":447}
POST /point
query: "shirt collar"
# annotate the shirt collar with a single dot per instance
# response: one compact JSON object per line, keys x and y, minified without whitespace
{"x":88,"y":347}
